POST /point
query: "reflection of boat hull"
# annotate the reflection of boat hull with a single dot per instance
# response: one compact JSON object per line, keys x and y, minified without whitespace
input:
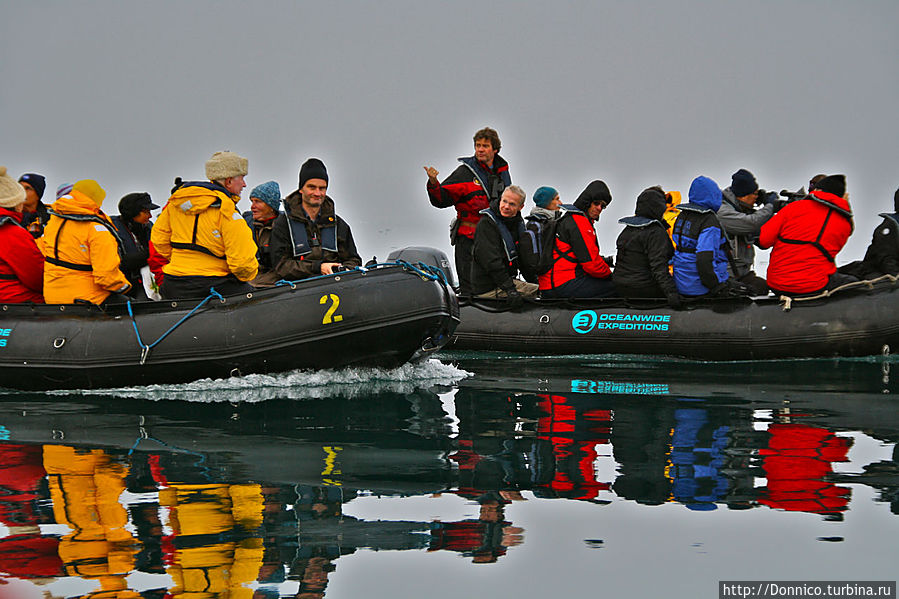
{"x":379,"y":317}
{"x":348,"y":443}
{"x":853,"y":323}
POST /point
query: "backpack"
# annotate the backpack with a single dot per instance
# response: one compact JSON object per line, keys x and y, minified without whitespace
{"x":535,"y":248}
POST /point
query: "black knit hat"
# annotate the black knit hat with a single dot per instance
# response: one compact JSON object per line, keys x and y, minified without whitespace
{"x":835,"y":184}
{"x":743,"y":183}
{"x":896,"y":201}
{"x":313,"y":169}
{"x":37,"y":182}
{"x":134,"y":203}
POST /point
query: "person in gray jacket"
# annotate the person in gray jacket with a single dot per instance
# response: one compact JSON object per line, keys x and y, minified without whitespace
{"x":744,"y":209}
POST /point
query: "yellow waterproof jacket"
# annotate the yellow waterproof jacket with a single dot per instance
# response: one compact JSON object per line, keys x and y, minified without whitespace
{"x":82,"y":256}
{"x":201,"y":233}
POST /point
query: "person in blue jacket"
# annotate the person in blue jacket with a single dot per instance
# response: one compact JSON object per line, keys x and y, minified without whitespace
{"x":700,"y":258}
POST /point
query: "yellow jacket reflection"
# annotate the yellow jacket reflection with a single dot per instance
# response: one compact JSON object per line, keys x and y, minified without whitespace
{"x":219,"y":568}
{"x":85,"y":488}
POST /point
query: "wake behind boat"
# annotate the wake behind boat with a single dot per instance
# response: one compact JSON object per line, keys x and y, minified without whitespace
{"x":858,"y":320}
{"x":382,"y":316}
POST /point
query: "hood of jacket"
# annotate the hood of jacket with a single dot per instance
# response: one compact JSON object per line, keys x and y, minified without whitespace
{"x":651,"y":203}
{"x":705,"y":193}
{"x":16,"y":216}
{"x":295,"y":210}
{"x":543,"y":213}
{"x":76,"y":203}
{"x":193,"y":198}
{"x":595,"y":191}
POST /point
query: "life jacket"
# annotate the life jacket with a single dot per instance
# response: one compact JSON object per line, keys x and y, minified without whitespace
{"x":892,"y":221}
{"x":493,"y":185}
{"x":300,"y":240}
{"x":816,"y":243}
{"x":684,"y":236}
{"x":509,"y":244}
{"x":192,"y":245}
{"x":639,"y":222}
{"x":54,"y":259}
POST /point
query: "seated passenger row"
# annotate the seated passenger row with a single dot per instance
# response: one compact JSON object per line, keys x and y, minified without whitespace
{"x":706,"y":252}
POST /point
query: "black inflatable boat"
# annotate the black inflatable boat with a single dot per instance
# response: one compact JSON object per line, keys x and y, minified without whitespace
{"x":381,"y":316}
{"x":859,"y":320}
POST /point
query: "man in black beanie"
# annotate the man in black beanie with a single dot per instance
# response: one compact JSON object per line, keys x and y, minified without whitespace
{"x":34,"y":212}
{"x":309,"y":239}
{"x":744,"y":209}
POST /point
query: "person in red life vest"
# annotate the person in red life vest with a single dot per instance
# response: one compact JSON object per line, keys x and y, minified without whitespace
{"x":21,"y":262}
{"x":806,"y":236}
{"x":479,"y":180}
{"x":578,"y":270}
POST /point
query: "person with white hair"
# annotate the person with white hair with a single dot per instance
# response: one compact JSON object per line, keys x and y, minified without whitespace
{"x":203,"y":235}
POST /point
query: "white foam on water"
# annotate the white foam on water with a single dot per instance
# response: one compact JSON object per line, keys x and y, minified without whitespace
{"x":296,"y":384}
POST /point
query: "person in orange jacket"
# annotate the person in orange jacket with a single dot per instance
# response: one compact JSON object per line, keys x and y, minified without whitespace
{"x":81,"y":249}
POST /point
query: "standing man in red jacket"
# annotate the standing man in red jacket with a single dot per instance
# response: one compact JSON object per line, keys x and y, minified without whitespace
{"x":806,"y":236}
{"x":479,"y":180}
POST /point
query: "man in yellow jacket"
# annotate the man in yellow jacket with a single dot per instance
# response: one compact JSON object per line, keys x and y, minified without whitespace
{"x":204,"y":237}
{"x":81,"y":250}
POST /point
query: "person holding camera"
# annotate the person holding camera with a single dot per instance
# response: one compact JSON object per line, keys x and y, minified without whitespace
{"x":309,"y":239}
{"x":744,"y":209}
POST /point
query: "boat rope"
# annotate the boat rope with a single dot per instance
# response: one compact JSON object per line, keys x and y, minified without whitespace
{"x":425,"y":271}
{"x":867,"y":283}
{"x":145,"y":348}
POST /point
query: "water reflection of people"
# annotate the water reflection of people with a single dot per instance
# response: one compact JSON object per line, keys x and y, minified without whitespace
{"x":797,"y":461}
{"x":484,"y":539}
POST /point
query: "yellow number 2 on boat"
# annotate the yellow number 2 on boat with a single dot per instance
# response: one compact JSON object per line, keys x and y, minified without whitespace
{"x":329,"y":315}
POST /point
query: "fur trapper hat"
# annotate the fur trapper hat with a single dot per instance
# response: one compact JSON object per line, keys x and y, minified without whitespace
{"x":11,"y":193}
{"x":225,"y":165}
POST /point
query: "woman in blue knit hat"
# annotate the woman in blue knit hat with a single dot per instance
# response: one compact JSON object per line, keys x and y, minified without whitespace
{"x":265,"y":202}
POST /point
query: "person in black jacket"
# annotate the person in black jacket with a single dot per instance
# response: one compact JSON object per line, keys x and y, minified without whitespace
{"x":133,"y":227}
{"x":882,"y":256}
{"x":309,"y":239}
{"x":495,"y":263}
{"x":644,"y":251}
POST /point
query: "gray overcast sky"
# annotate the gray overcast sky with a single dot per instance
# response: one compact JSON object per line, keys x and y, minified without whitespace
{"x":635,"y":93}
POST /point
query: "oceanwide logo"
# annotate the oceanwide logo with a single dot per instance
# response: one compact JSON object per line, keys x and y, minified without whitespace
{"x":586,"y":321}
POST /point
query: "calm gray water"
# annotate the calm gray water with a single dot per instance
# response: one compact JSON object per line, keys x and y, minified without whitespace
{"x":473,"y":476}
